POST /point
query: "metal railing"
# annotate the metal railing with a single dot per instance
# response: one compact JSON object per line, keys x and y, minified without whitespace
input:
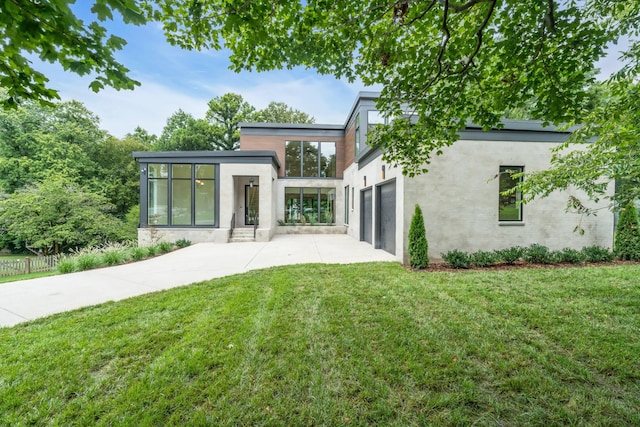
{"x":233,"y":222}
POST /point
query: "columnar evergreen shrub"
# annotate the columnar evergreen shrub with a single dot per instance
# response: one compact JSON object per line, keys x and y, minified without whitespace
{"x":418,"y":245}
{"x":626,"y":244}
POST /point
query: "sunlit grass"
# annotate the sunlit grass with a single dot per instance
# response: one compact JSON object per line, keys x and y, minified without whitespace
{"x":333,"y":345}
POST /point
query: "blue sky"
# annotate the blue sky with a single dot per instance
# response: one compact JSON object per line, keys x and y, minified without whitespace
{"x":174,"y":79}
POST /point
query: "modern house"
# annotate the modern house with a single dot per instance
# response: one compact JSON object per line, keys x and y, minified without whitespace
{"x":309,"y":178}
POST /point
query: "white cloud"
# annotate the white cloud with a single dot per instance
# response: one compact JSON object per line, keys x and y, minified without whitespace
{"x":147,"y":106}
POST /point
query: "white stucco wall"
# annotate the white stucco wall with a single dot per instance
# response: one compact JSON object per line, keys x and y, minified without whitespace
{"x":459,"y":200}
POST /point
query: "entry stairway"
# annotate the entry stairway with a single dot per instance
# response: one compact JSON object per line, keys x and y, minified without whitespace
{"x":242,"y":235}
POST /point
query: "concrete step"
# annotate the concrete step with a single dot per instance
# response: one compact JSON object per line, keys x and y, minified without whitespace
{"x":242,"y":235}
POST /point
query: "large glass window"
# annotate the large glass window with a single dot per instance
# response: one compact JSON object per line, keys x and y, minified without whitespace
{"x":509,"y":206}
{"x":181,"y":194}
{"x":158,"y":198}
{"x":205,"y":191}
{"x":357,"y":125}
{"x":309,"y":205}
{"x":310,"y":159}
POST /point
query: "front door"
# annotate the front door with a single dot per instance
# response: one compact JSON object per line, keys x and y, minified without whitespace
{"x":251,"y":206}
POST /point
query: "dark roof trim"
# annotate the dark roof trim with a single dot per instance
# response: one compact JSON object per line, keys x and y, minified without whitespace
{"x":244,"y":157}
{"x":368,"y":156}
{"x":293,"y":131}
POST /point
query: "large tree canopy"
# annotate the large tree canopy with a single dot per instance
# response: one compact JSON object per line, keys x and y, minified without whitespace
{"x":50,"y":31}
{"x":443,"y":63}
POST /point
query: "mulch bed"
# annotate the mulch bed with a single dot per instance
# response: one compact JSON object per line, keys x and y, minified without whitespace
{"x":443,"y":267}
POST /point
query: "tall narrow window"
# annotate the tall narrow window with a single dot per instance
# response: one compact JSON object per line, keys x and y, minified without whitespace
{"x":180,"y":194}
{"x":509,"y":206}
{"x":205,"y":192}
{"x":346,"y":204}
{"x":357,"y":148}
{"x":158,"y":200}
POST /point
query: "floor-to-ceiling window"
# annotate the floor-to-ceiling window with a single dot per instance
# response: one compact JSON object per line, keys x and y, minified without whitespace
{"x":181,"y":194}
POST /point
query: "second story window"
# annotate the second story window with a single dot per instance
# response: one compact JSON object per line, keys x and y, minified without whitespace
{"x":310,"y":159}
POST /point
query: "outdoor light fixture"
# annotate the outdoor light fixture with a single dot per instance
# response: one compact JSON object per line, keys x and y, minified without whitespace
{"x":383,"y":167}
{"x":365,"y":181}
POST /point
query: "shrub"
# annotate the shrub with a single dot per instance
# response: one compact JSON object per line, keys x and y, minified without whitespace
{"x":510,"y":255}
{"x":483,"y":258}
{"x":456,"y":259}
{"x":153,"y":250}
{"x":138,"y":253}
{"x":183,"y":243}
{"x":164,"y":247}
{"x":87,"y":261}
{"x":418,"y":245}
{"x":569,"y":255}
{"x":597,"y":254}
{"x":537,"y":254}
{"x":66,"y":265}
{"x":626,"y":244}
{"x":113,"y":257}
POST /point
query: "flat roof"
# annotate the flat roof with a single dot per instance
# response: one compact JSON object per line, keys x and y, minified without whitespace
{"x":227,"y":156}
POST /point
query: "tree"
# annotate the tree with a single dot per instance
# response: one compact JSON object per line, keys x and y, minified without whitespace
{"x":443,"y":63}
{"x":279,"y":112}
{"x":51,"y":31}
{"x":418,"y":245}
{"x":185,"y":133}
{"x":143,"y":136}
{"x":57,"y":215}
{"x":37,"y":142}
{"x":225,"y":114}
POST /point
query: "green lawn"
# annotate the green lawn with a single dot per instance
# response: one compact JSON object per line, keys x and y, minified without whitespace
{"x":335,"y":345}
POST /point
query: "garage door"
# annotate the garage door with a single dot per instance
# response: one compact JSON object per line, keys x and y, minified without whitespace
{"x":386,"y":217}
{"x":366,"y":215}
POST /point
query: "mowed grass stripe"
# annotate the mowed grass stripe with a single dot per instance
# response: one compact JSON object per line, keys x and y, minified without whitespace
{"x":366,"y":344}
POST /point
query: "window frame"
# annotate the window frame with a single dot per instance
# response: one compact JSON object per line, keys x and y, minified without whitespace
{"x":303,"y":167}
{"x":169,"y":193}
{"x":517,"y":202}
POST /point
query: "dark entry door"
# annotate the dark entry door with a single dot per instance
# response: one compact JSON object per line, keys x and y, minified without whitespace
{"x":386,"y":217}
{"x":366,"y":215}
{"x":251,"y":206}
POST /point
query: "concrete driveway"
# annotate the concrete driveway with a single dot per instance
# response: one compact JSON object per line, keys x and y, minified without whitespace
{"x":31,"y":299}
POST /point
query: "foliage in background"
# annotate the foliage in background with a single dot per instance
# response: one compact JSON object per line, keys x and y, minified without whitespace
{"x":418,"y":244}
{"x":183,"y":132}
{"x":57,"y":215}
{"x":626,"y":243}
{"x":279,"y":112}
{"x":225,"y":114}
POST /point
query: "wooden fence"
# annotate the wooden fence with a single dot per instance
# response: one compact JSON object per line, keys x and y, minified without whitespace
{"x":28,"y":265}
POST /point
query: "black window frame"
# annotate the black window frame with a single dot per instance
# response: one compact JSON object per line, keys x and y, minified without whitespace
{"x":512,"y":199}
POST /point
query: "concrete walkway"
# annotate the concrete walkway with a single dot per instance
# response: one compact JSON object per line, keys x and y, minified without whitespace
{"x":30,"y":299}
